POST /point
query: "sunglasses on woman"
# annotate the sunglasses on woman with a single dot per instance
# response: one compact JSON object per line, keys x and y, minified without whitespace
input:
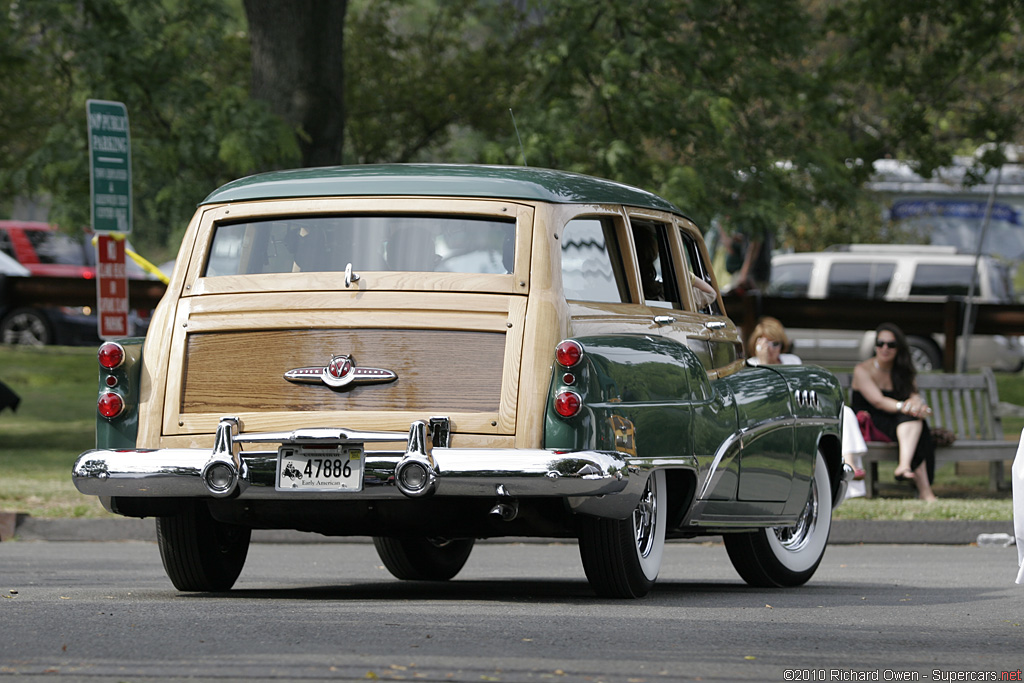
{"x":880,"y":344}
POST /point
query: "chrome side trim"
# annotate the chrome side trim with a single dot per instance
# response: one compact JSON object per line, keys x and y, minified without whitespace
{"x":736,"y":440}
{"x":714,"y":474}
{"x":844,"y":484}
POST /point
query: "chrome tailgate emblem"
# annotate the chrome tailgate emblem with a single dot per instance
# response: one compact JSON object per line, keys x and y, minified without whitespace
{"x":340,"y":372}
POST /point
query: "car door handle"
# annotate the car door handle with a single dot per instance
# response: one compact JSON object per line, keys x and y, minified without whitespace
{"x":664,"y":319}
{"x":714,"y":325}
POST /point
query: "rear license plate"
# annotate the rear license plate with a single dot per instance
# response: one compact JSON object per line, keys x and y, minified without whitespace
{"x":320,"y":468}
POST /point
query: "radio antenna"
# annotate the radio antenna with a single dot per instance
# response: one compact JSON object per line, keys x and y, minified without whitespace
{"x":522,"y":150}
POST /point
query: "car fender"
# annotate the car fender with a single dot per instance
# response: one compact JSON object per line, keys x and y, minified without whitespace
{"x":124,"y":380}
{"x":636,"y":394}
{"x":817,"y":409}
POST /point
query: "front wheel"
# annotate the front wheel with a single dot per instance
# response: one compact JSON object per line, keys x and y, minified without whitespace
{"x":622,"y":557}
{"x":787,"y":556}
{"x":423,"y":559}
{"x":200,"y":553}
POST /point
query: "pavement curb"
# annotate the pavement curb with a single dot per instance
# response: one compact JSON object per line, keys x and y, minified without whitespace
{"x":22,"y":527}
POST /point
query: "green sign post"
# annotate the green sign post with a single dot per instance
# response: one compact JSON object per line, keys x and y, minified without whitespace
{"x":110,"y":167}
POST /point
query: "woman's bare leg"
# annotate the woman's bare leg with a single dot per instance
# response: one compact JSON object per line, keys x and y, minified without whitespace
{"x":924,"y":488}
{"x":907,"y":435}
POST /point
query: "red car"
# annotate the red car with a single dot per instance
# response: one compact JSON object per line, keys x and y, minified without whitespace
{"x":47,"y":252}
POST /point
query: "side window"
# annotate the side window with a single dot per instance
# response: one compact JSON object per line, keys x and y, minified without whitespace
{"x":932,"y":279}
{"x":5,"y":244}
{"x":704,"y":296}
{"x":55,"y":247}
{"x":790,"y":279}
{"x":591,"y":262}
{"x":864,"y":280}
{"x":657,"y":277}
{"x":1000,"y":283}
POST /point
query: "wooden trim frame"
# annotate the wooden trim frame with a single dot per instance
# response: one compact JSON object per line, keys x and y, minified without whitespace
{"x":516,"y":283}
{"x":317,"y":315}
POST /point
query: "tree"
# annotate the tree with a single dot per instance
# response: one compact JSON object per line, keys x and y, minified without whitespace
{"x":299,"y":71}
{"x":767,"y":112}
{"x":433,"y":80}
{"x":174,"y":64}
{"x":925,"y":80}
{"x":707,"y":103}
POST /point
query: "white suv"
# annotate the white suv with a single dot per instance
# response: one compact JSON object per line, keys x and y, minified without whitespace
{"x":893,"y":273}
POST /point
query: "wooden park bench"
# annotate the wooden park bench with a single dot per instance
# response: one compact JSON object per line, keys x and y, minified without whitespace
{"x":966,"y":404}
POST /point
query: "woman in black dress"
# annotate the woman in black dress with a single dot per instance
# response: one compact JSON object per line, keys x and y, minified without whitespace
{"x":885,"y":387}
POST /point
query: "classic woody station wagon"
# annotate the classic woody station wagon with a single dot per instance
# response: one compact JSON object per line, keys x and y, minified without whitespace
{"x":431,"y":354}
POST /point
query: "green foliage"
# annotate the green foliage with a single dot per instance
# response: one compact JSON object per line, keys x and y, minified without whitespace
{"x":766,"y":113}
{"x":179,"y":66}
{"x":424,"y":78}
{"x":929,"y":78}
{"x":709,"y":104}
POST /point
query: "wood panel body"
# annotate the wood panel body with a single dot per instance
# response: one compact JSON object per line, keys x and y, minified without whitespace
{"x":455,"y":339}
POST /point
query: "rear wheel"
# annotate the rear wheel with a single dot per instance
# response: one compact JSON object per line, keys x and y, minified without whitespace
{"x":787,"y":556}
{"x":200,"y":553}
{"x":26,"y":326}
{"x":423,"y":559}
{"x":622,"y":557}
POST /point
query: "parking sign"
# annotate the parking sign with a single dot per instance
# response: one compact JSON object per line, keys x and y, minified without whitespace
{"x":110,"y":166}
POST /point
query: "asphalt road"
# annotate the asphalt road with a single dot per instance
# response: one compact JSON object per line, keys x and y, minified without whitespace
{"x":518,"y":612}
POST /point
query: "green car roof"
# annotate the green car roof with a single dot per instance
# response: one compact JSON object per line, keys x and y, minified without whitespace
{"x":438,"y":180}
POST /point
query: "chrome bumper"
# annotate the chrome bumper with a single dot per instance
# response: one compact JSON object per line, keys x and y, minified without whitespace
{"x":586,"y":478}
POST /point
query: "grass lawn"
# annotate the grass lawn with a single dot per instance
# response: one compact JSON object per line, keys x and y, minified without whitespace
{"x":961,"y":496}
{"x":56,"y":422}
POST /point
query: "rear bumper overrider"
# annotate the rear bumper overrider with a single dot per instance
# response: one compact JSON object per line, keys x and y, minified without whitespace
{"x":602,"y":483}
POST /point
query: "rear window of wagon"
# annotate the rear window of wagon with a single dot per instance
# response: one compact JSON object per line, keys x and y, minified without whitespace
{"x":415,"y":243}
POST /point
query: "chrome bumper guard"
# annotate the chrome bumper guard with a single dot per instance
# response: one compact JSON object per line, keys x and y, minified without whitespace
{"x":426,"y":467}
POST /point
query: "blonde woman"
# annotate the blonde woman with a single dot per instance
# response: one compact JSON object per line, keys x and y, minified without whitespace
{"x":768,"y":342}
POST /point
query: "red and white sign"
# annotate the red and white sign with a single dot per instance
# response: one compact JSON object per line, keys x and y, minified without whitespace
{"x":111,"y":288}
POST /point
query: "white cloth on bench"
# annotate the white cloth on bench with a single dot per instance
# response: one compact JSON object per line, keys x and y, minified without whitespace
{"x":853,"y":443}
{"x":1018,"y":506}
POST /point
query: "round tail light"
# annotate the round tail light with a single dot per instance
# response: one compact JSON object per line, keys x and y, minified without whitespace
{"x":111,"y":355}
{"x":568,"y":403}
{"x":110,"y":405}
{"x":568,"y":353}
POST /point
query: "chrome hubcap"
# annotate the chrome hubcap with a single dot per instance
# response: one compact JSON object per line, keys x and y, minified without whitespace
{"x":645,"y":519}
{"x":796,"y":537}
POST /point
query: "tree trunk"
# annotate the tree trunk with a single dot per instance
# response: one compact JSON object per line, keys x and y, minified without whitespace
{"x":298,"y":69}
